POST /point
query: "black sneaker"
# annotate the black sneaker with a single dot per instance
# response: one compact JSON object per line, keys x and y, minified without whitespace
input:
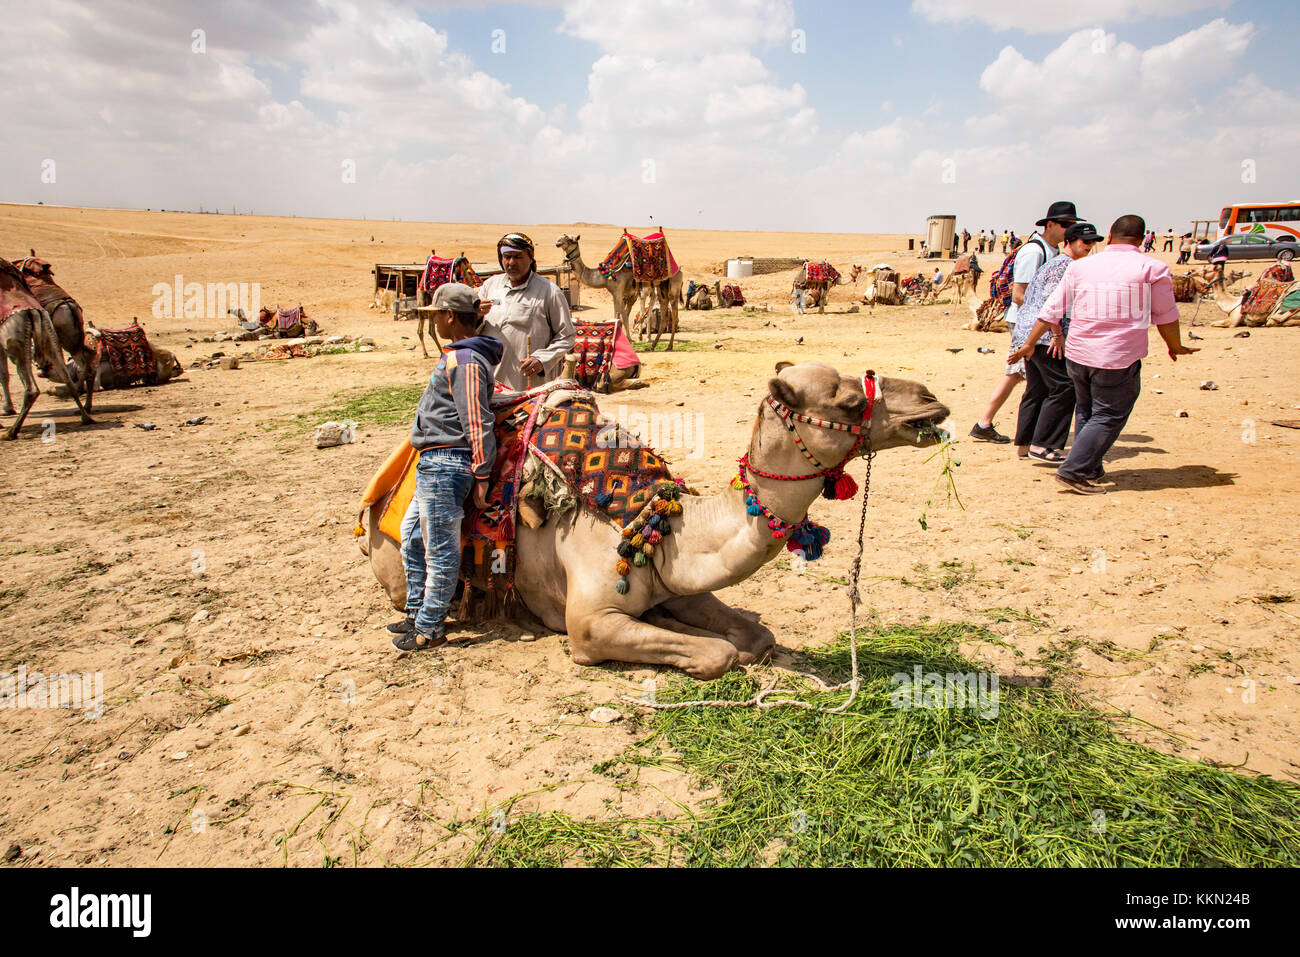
{"x":403,"y":627}
{"x":417,"y":641}
{"x":988,"y":434}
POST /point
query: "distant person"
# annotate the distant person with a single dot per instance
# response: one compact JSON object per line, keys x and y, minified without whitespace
{"x":1047,"y":406}
{"x":1185,"y":245}
{"x":1112,"y":298}
{"x":1033,"y":254}
{"x":1150,"y":241}
{"x":965,"y":240}
{"x":1006,"y":238}
{"x":1219,"y":258}
{"x":937,"y":278}
{"x":1016,"y":241}
{"x":979,"y":242}
{"x":798,"y":295}
{"x":1169,"y":241}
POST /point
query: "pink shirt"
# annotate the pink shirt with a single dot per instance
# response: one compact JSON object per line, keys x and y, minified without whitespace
{"x":1112,"y":298}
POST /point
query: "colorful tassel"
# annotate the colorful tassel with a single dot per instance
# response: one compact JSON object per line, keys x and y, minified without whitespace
{"x":621,"y":586}
{"x":640,"y":560}
{"x":604,"y":498}
{"x":648,"y":548}
{"x":674,"y":507}
{"x":653,"y":537}
{"x":738,"y":484}
{"x":638,"y":540}
{"x":629,"y":532}
{"x":622,"y":568}
{"x":839,"y":487}
{"x":626,"y":550}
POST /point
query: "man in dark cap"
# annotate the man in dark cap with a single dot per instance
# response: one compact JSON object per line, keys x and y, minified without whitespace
{"x":529,"y":315}
{"x":1033,"y":254}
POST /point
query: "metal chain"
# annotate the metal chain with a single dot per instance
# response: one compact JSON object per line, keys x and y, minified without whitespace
{"x":853,"y":684}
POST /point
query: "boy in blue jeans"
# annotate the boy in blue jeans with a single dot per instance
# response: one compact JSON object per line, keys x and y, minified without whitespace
{"x":453,"y":434}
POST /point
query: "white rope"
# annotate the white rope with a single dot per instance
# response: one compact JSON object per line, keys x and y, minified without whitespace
{"x":854,"y":683}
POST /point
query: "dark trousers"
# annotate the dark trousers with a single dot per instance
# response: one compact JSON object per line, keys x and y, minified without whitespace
{"x":1048,"y":402}
{"x":1104,"y":399}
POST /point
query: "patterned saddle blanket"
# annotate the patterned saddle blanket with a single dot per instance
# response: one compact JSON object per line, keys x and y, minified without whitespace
{"x":288,"y":318}
{"x":822,"y":272}
{"x":438,"y":272}
{"x":127,"y":352}
{"x":1260,"y":301}
{"x":732,"y":296}
{"x":989,"y":314}
{"x":650,"y":258}
{"x":610,"y":469}
{"x":593,"y":343}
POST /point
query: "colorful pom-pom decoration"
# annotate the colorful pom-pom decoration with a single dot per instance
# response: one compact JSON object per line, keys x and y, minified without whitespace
{"x":621,"y":567}
{"x":621,"y":586}
{"x":640,"y":560}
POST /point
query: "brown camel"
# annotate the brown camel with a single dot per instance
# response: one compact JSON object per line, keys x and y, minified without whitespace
{"x":1232,"y":306}
{"x":69,"y":322}
{"x":565,"y":570}
{"x":26,"y":330}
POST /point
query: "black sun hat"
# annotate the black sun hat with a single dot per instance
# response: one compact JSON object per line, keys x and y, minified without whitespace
{"x":1085,"y":231}
{"x":1060,"y":212}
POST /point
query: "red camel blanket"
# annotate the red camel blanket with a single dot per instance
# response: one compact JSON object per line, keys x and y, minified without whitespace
{"x":127,"y":352}
{"x":439,"y":271}
{"x":823,"y":272}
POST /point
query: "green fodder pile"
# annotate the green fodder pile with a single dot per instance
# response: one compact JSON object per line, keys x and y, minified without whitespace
{"x":1047,"y":782}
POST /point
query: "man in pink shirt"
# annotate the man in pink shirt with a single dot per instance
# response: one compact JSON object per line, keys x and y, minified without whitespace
{"x":1111,"y":298}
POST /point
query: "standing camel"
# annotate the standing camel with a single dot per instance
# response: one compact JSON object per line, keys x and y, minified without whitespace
{"x":26,"y":328}
{"x":69,"y":323}
{"x":622,"y":287}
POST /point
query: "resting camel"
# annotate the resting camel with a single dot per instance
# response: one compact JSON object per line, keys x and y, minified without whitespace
{"x":565,"y":571}
{"x":701,"y":298}
{"x":167,"y":365}
{"x":69,"y":323}
{"x":1232,"y":306}
{"x":651,"y":322}
{"x":817,"y":293}
{"x":26,"y":330}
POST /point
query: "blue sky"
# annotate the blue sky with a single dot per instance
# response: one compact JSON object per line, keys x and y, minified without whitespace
{"x":696,"y":112}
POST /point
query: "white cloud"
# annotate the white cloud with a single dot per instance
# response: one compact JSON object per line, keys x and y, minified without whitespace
{"x":1055,"y":17}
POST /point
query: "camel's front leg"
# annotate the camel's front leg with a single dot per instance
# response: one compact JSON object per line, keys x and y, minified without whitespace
{"x":616,"y":636}
{"x":30,"y":391}
{"x":419,"y":331}
{"x":708,"y":612}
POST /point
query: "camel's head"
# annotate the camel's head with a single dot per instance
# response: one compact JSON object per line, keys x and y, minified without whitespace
{"x":905,"y":412}
{"x":169,"y":366}
{"x":854,"y":273}
{"x":567,"y":243}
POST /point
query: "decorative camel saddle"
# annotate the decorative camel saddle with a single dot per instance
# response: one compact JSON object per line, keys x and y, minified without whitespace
{"x":439,"y":272}
{"x":1262,"y":298}
{"x":554,"y":449}
{"x":822,"y":272}
{"x":651,"y":259}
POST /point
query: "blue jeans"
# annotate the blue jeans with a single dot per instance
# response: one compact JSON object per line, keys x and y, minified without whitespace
{"x":431,"y":536}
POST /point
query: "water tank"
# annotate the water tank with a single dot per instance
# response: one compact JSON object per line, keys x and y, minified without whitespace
{"x":941,"y":235}
{"x":740,"y":268}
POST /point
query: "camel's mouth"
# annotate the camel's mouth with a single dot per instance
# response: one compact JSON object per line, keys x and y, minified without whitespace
{"x":929,"y":429}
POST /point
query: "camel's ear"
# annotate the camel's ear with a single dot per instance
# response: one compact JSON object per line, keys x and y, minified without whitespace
{"x":782,"y":392}
{"x":783,"y":365}
{"x":578,"y":237}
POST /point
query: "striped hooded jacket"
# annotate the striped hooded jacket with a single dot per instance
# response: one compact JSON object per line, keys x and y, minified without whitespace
{"x":454,"y":412}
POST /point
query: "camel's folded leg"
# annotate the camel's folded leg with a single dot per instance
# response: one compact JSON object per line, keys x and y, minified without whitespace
{"x":707,"y":611}
{"x":616,"y":636}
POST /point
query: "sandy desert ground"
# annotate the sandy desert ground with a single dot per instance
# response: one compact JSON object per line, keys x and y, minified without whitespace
{"x":254,"y":711}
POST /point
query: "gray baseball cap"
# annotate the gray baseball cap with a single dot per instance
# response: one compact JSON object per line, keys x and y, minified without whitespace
{"x":455,"y":296}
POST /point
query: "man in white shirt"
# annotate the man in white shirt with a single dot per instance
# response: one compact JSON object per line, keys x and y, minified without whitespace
{"x":529,"y":316}
{"x":1032,"y":255}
